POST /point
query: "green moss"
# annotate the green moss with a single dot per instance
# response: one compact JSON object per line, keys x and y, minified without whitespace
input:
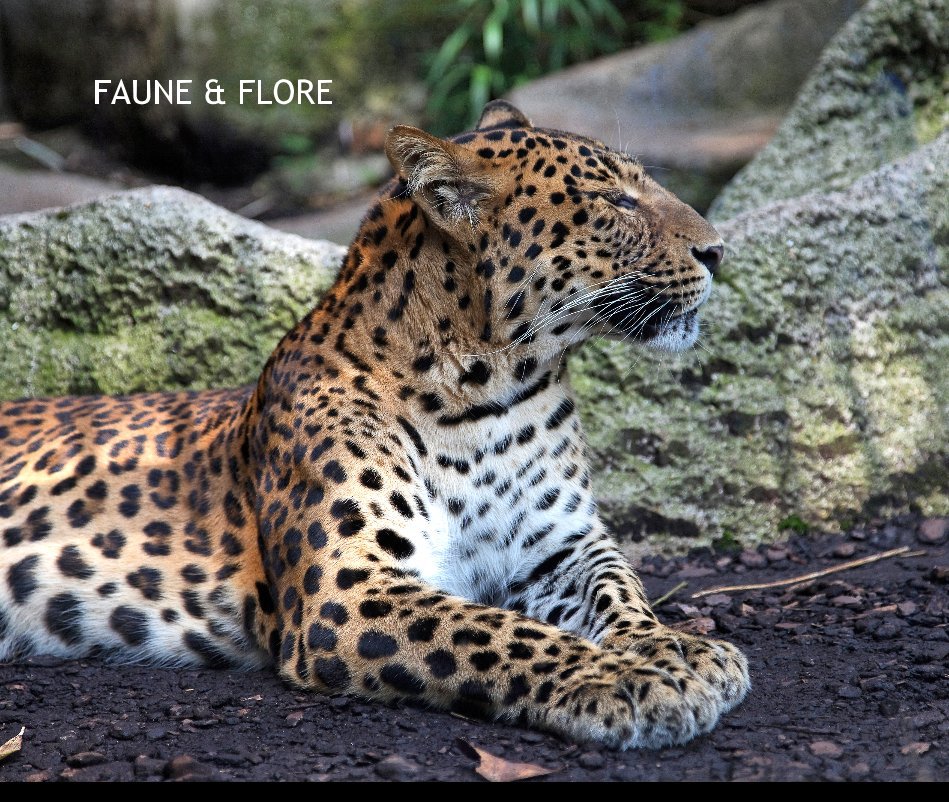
{"x":727,"y":543}
{"x":795,"y":524}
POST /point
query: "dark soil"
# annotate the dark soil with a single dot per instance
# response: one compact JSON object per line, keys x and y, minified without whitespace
{"x":850,"y":683}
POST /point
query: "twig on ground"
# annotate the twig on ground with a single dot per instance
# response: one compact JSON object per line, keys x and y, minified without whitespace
{"x":883,"y":555}
{"x":809,"y":730}
{"x":669,"y":594}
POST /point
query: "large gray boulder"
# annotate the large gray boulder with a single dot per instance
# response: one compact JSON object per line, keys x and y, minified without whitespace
{"x":699,"y":106}
{"x":145,"y":290}
{"x":822,"y":392}
{"x":881,"y":89}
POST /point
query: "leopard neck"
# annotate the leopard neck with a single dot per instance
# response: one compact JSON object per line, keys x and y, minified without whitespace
{"x":415,"y":311}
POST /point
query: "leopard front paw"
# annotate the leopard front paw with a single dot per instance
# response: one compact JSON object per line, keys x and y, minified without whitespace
{"x":640,"y":706}
{"x":664,"y":691}
{"x":718,"y":663}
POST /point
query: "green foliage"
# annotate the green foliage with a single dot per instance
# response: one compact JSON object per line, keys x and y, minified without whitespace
{"x":499,"y":44}
{"x":795,"y":524}
{"x":727,"y":543}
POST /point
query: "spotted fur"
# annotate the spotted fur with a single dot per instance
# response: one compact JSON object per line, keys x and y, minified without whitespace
{"x":401,"y":507}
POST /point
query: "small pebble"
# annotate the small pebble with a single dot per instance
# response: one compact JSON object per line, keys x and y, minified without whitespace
{"x":939,"y":573}
{"x":396,"y":767}
{"x":889,"y":707}
{"x":592,"y":760}
{"x":859,"y":770}
{"x":846,"y":601}
{"x":124,"y":730}
{"x":929,"y":673}
{"x":185,"y":766}
{"x":879,"y":683}
{"x":890,"y":628}
{"x":849,"y":692}
{"x":776,"y":554}
{"x":933,"y":531}
{"x":695,"y":572}
{"x":751,"y":559}
{"x":845,"y":550}
{"x":906,"y":608}
{"x":82,"y":759}
{"x":923,"y":719}
{"x":826,"y":749}
{"x":145,"y":766}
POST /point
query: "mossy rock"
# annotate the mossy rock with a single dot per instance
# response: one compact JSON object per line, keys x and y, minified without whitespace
{"x":822,"y":390}
{"x":821,"y":394}
{"x":879,"y":91}
{"x":146,"y":290}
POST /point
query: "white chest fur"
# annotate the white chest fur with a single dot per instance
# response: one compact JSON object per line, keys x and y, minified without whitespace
{"x":508,"y":490}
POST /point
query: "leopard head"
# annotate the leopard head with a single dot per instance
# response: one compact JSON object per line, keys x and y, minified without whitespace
{"x":566,"y":238}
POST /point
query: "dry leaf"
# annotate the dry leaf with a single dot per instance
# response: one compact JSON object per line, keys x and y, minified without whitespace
{"x":294,"y":718}
{"x":915,"y":748}
{"x":498,"y":770}
{"x":697,"y":626}
{"x":14,"y":745}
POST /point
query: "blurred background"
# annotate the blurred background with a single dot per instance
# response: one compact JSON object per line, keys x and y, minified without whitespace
{"x":692,"y":87}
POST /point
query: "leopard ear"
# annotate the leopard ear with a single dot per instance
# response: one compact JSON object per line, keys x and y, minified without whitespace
{"x":501,"y":114}
{"x":447,"y":180}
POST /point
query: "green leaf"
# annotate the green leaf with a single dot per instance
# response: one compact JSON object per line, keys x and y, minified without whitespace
{"x":449,"y":51}
{"x":530,"y":12}
{"x":580,"y":14}
{"x":493,"y":37}
{"x":447,"y":83}
{"x":479,"y":90}
{"x":551,"y":13}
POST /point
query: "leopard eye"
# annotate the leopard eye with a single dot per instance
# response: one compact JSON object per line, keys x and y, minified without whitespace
{"x":624,"y":202}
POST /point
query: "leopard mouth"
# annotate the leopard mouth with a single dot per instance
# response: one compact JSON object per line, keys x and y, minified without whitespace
{"x":654,"y":324}
{"x":658,"y":321}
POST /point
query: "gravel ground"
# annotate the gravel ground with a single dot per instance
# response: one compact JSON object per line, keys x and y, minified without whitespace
{"x":849,"y":670}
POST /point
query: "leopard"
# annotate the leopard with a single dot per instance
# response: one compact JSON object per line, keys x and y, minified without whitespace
{"x":401,"y":508}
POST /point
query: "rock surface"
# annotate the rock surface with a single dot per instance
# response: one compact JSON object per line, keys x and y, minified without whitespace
{"x":32,"y":190}
{"x":881,"y":88}
{"x":701,"y":105}
{"x":148,"y":289}
{"x":824,"y":389}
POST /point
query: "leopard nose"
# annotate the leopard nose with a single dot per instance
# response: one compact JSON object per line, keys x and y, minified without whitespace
{"x":711,"y":256}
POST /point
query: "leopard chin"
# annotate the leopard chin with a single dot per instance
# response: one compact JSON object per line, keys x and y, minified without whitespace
{"x":678,"y":334}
